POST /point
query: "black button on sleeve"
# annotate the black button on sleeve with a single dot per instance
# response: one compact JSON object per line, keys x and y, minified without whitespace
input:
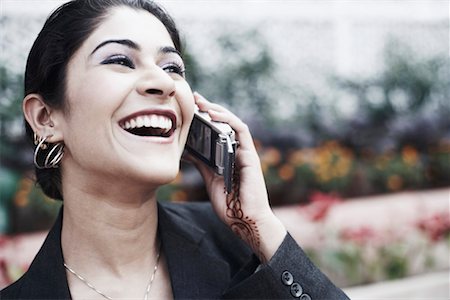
{"x":287,"y":278}
{"x":296,"y":290}
{"x":305,"y":297}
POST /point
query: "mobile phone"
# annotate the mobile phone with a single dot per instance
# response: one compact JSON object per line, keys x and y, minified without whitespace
{"x":214,"y":144}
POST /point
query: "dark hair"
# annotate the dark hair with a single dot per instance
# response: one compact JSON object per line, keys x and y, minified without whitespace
{"x":63,"y":33}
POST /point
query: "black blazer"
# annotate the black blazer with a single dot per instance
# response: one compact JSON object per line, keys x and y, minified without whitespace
{"x":205,"y":260}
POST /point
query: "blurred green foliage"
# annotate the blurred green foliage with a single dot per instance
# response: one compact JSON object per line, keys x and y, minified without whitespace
{"x":397,"y":138}
{"x":239,"y":80}
{"x":11,"y":94}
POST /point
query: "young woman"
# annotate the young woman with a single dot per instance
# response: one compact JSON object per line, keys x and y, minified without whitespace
{"x":108,"y":108}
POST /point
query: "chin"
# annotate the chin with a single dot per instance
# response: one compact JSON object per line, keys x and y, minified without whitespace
{"x":164,"y":179}
{"x":161,"y":175}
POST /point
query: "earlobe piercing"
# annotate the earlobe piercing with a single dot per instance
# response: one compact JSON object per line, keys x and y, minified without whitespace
{"x":52,"y":158}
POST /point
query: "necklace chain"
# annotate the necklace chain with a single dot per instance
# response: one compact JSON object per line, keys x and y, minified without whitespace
{"x":147,"y":291}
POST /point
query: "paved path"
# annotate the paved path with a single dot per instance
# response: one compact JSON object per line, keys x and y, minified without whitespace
{"x":434,"y":286}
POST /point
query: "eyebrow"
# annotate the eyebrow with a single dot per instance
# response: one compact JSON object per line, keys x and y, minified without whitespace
{"x":128,"y":43}
{"x":169,"y":49}
{"x":135,"y":46}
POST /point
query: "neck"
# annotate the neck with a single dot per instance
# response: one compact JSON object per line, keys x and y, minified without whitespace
{"x":109,"y":235}
{"x":115,"y":235}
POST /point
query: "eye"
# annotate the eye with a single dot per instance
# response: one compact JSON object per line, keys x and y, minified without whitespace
{"x":174,"y":68}
{"x":119,"y":59}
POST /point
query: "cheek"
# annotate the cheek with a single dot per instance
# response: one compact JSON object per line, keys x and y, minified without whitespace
{"x":94,"y":91}
{"x":93,"y":102}
{"x":92,"y":88}
{"x":90,"y":107}
{"x":186,"y":102}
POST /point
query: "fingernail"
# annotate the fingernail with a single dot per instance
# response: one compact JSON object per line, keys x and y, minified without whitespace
{"x":197,"y":94}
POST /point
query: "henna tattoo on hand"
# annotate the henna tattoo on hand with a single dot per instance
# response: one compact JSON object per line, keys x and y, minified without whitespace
{"x":242,"y":225}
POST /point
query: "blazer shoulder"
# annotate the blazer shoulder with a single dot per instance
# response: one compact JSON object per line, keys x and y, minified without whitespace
{"x":216,"y":237}
{"x":199,"y":214}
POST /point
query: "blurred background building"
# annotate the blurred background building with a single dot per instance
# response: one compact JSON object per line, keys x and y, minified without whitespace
{"x":348,"y":102}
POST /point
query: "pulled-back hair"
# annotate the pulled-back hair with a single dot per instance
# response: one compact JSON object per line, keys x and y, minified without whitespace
{"x":62,"y":35}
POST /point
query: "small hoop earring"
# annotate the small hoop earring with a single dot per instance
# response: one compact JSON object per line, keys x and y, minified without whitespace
{"x":52,"y":158}
{"x":38,"y":141}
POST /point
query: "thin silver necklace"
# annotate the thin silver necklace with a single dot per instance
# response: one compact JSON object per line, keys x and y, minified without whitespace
{"x":147,"y":291}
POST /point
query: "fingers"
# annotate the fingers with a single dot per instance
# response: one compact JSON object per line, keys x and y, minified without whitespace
{"x":221,"y":114}
{"x":204,"y":105}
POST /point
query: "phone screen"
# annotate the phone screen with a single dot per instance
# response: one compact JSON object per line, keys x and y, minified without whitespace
{"x":200,"y":138}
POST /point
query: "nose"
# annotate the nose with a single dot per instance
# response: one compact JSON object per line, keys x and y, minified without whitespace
{"x":156,"y":82}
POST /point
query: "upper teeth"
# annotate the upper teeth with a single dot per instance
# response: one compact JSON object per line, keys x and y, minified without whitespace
{"x":155,"y":121}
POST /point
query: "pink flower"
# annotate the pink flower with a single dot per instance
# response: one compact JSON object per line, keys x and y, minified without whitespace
{"x":320,"y":204}
{"x":3,"y":240}
{"x":360,"y":236}
{"x":436,"y":226}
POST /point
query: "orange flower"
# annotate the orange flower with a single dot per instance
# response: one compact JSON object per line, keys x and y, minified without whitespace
{"x":271,"y":156}
{"x":331,"y":161}
{"x":394,"y":182}
{"x":25,"y":187}
{"x":383,"y":160}
{"x":410,"y":155}
{"x":286,"y":172}
{"x":297,"y":158}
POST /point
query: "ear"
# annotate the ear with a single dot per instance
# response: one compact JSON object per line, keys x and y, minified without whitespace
{"x":39,"y":115}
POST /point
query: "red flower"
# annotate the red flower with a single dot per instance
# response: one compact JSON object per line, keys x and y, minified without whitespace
{"x":3,"y":240}
{"x":436,"y":226}
{"x":320,"y":205}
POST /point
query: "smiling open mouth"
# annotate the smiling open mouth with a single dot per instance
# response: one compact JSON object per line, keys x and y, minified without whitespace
{"x":161,"y":124}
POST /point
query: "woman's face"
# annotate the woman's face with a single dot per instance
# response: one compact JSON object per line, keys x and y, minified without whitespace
{"x":129,"y":106}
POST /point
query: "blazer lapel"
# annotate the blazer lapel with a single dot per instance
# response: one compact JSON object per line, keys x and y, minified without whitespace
{"x":194,"y":272}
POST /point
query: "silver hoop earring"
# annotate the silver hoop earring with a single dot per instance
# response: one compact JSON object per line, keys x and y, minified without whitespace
{"x":52,"y":158}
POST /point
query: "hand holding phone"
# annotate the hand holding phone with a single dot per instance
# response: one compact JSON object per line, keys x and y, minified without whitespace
{"x":245,"y":209}
{"x":214,"y":144}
